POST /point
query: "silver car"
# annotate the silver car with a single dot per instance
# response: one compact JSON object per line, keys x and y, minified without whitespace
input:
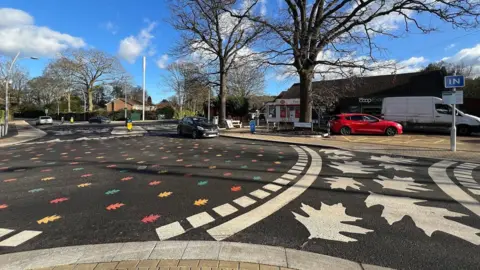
{"x":45,"y":120}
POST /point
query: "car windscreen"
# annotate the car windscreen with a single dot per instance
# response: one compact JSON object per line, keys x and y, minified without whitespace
{"x":199,"y":120}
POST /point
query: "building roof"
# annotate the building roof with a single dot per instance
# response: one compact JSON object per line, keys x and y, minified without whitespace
{"x":396,"y":84}
{"x":129,"y":101}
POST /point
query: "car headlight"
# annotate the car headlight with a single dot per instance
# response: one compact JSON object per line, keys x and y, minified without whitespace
{"x":200,"y":128}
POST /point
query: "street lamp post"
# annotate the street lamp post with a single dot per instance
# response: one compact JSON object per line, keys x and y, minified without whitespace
{"x":7,"y":77}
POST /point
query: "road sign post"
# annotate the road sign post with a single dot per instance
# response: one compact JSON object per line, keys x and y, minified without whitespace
{"x":454,"y":82}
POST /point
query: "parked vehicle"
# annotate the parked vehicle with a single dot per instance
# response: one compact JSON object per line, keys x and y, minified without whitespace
{"x":44,"y":120}
{"x":197,"y":127}
{"x":99,"y":119}
{"x":427,"y":112}
{"x":357,"y":123}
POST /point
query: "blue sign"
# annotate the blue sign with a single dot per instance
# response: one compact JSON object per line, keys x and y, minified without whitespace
{"x":454,"y":81}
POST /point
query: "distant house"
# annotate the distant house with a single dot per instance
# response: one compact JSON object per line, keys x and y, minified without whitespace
{"x":120,"y":105}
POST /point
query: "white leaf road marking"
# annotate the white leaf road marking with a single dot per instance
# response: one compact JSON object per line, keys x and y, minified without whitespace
{"x":397,"y":167}
{"x":406,"y":184}
{"x":429,"y":219}
{"x":337,"y":152}
{"x":259,"y":213}
{"x":343,"y":183}
{"x":353,"y":167}
{"x":389,"y":159}
{"x":327,"y":222}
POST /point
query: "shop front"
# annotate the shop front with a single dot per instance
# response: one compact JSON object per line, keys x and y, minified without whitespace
{"x":283,"y":110}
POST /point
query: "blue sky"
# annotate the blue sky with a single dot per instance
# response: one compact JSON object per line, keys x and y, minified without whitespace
{"x":103,"y":24}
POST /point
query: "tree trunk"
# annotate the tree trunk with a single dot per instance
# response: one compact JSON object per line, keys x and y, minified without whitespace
{"x":306,"y":78}
{"x":68,"y":103}
{"x":223,"y":95}
{"x":90,"y":100}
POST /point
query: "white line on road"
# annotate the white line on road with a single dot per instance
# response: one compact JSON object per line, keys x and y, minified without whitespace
{"x":244,"y":221}
{"x":19,"y":238}
{"x":225,"y":209}
{"x":281,"y":181}
{"x":170,"y":230}
{"x":4,"y":231}
{"x":260,"y":194}
{"x":438,"y":173}
{"x":200,"y":219}
{"x":244,"y":201}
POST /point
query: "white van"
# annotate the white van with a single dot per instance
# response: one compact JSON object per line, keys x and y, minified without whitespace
{"x":427,"y":112}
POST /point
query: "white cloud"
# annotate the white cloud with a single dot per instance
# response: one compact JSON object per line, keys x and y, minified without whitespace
{"x":451,"y":46}
{"x":111,"y":27}
{"x":162,"y":61}
{"x":467,"y":57}
{"x":263,"y":7}
{"x":19,"y":34}
{"x":132,"y":46}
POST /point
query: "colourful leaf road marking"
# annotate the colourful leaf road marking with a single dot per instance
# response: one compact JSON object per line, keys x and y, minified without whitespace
{"x":46,"y":170}
{"x":254,"y":160}
{"x":48,"y":219}
{"x":124,"y":171}
{"x":128,"y":178}
{"x":84,"y":185}
{"x":257,"y":178}
{"x":77,"y":169}
{"x":35,"y":190}
{"x":179,"y":160}
{"x":163,"y":171}
{"x":188,"y":175}
{"x":3,"y":206}
{"x":228,"y":161}
{"x":277,"y":162}
{"x":244,"y":167}
{"x":188,"y":165}
{"x":114,"y":206}
{"x":59,"y":200}
{"x":74,"y":163}
{"x":10,"y":180}
{"x":212,"y":167}
{"x":86,"y":175}
{"x":227,"y":174}
{"x":48,"y":178}
{"x":236,"y":188}
{"x":202,"y":183}
{"x":154,"y":183}
{"x":200,"y":202}
{"x":270,"y":169}
{"x":112,"y":166}
{"x":112,"y":191}
{"x":165,"y":194}
{"x":150,"y":218}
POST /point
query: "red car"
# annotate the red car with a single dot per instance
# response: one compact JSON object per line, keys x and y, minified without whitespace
{"x":357,"y":123}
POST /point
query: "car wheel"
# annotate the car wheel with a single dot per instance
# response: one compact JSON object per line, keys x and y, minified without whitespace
{"x":463,"y":130}
{"x":194,"y":134}
{"x":391,"y":131}
{"x":179,"y":131}
{"x":345,"y":131}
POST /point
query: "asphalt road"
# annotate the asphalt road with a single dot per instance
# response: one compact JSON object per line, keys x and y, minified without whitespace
{"x":375,"y":209}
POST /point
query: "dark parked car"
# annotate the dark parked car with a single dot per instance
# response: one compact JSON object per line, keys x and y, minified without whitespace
{"x":197,"y":127}
{"x":99,"y":119}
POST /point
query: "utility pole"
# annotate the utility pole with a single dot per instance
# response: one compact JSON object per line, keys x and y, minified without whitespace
{"x":144,"y":69}
{"x":208,"y":109}
{"x":453,"y":134}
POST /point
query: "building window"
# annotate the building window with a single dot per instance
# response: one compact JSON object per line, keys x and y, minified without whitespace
{"x":272,"y":111}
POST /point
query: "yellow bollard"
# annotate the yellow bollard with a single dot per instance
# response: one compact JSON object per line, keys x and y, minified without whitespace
{"x":129,"y":126}
{"x":71,"y":120}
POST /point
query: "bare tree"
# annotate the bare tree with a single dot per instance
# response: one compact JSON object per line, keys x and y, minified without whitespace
{"x":332,"y":33}
{"x":92,"y":67}
{"x":190,"y":85}
{"x":325,"y":94}
{"x":246,"y":81}
{"x":211,"y":33}
{"x":44,"y":91}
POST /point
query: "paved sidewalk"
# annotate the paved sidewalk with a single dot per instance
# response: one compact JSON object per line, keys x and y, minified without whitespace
{"x":410,"y":151}
{"x":25,"y":133}
{"x":185,"y":255}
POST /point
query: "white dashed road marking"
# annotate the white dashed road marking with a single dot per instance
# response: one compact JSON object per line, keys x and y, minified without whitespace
{"x":225,"y":209}
{"x":257,"y":214}
{"x":438,"y":173}
{"x":19,"y":238}
{"x":200,"y":219}
{"x":170,"y":230}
